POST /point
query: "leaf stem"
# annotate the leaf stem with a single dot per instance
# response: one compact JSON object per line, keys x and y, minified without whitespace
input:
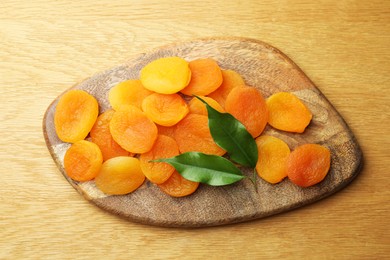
{"x":253,"y":179}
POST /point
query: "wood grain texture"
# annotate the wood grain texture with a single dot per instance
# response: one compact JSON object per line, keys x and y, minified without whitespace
{"x":47,"y":46}
{"x":263,"y":67}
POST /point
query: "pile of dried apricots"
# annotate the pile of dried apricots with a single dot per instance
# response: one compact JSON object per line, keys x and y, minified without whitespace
{"x":157,"y":116}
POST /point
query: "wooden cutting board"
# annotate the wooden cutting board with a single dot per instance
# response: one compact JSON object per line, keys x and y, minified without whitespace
{"x":262,"y":66}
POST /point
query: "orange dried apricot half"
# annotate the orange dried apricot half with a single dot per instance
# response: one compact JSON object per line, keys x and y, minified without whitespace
{"x":272,"y":161}
{"x":193,"y":134}
{"x":206,"y":77}
{"x":166,"y":130}
{"x":166,"y":75}
{"x":133,"y":130}
{"x":248,"y":106}
{"x":129,"y":92}
{"x":165,"y":110}
{"x":177,"y":186}
{"x":159,"y":172}
{"x":198,"y":107}
{"x":120,"y":175}
{"x":75,"y":114}
{"x":288,"y":113}
{"x":83,"y":160}
{"x":308,"y":164}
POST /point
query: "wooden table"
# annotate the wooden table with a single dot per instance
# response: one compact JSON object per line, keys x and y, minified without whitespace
{"x":48,"y":46}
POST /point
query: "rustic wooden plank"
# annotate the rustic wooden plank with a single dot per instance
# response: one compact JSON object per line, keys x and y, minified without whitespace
{"x":264,"y":67}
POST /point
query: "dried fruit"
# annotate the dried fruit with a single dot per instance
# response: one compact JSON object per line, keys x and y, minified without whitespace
{"x":120,"y":175}
{"x":308,"y":164}
{"x":75,"y":115}
{"x":83,"y":160}
{"x":159,"y":172}
{"x":248,"y":106}
{"x":165,"y":110}
{"x":133,"y":130}
{"x":288,"y":113}
{"x":193,"y":134}
{"x":177,"y":186}
{"x":166,"y":130}
{"x":180,"y":145}
{"x":129,"y":92}
{"x":198,"y":107}
{"x":273,"y":155}
{"x":166,"y":75}
{"x":206,"y":77}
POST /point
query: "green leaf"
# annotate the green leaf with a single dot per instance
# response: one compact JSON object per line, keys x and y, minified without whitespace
{"x":210,"y":169}
{"x":231,"y":135}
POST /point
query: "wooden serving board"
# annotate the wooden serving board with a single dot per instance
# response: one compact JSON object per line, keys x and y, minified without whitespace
{"x":262,"y":66}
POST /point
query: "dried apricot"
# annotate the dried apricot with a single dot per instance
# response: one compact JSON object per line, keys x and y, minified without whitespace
{"x":166,"y":130}
{"x":129,"y":92}
{"x":206,"y":77}
{"x":177,"y":186}
{"x":75,"y":114}
{"x":166,"y":75}
{"x":198,"y":107}
{"x":120,"y":175}
{"x":248,"y":106}
{"x":308,"y":164}
{"x":272,"y":162}
{"x":101,"y":135}
{"x":159,"y":172}
{"x":83,"y":160}
{"x":133,"y":130}
{"x":288,"y":113}
{"x":165,"y":110}
{"x":231,"y":79}
{"x":193,"y":134}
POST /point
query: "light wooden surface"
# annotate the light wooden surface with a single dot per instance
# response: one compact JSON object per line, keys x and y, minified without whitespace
{"x":47,"y":46}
